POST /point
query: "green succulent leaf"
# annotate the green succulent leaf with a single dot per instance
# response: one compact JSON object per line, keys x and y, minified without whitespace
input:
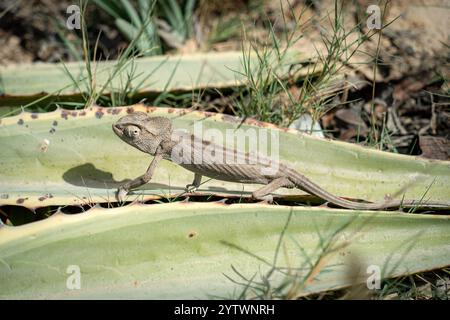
{"x":23,"y":83}
{"x":73,"y":157}
{"x":201,"y":250}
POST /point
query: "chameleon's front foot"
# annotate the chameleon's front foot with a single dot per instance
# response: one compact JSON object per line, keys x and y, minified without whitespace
{"x":121,"y":194}
{"x":190,"y":188}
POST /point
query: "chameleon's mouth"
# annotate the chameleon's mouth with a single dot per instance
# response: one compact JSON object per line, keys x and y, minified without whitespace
{"x":118,"y":129}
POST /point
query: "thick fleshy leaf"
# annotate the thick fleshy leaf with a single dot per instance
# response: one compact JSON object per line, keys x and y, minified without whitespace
{"x":186,"y":250}
{"x":149,"y":76}
{"x":73,"y":157}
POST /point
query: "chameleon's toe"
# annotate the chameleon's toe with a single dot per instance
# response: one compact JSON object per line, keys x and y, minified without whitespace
{"x":190,"y":188}
{"x":121,"y":194}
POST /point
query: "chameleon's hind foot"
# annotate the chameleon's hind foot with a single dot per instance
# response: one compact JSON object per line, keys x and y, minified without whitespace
{"x":121,"y":194}
{"x":267,"y":199}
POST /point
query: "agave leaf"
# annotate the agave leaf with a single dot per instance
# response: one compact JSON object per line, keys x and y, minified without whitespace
{"x":132,"y":32}
{"x":111,"y":7}
{"x":23,"y":83}
{"x":73,"y":157}
{"x":132,"y":14}
{"x":186,"y":250}
{"x":129,"y":30}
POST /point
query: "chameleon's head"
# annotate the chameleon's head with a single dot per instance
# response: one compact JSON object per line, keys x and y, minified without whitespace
{"x":143,"y":132}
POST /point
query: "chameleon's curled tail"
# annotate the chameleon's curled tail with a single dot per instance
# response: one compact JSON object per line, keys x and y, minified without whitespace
{"x":307,"y":185}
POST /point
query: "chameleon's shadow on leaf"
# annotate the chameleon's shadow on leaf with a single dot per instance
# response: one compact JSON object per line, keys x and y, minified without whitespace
{"x":87,"y":175}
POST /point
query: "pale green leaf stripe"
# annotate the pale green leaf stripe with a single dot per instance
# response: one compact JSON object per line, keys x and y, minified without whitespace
{"x":183,"y":250}
{"x":73,"y":157}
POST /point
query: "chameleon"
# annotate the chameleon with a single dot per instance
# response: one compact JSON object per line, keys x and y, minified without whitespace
{"x":157,"y":137}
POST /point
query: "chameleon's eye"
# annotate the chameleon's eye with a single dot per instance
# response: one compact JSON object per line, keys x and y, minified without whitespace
{"x":132,"y":131}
